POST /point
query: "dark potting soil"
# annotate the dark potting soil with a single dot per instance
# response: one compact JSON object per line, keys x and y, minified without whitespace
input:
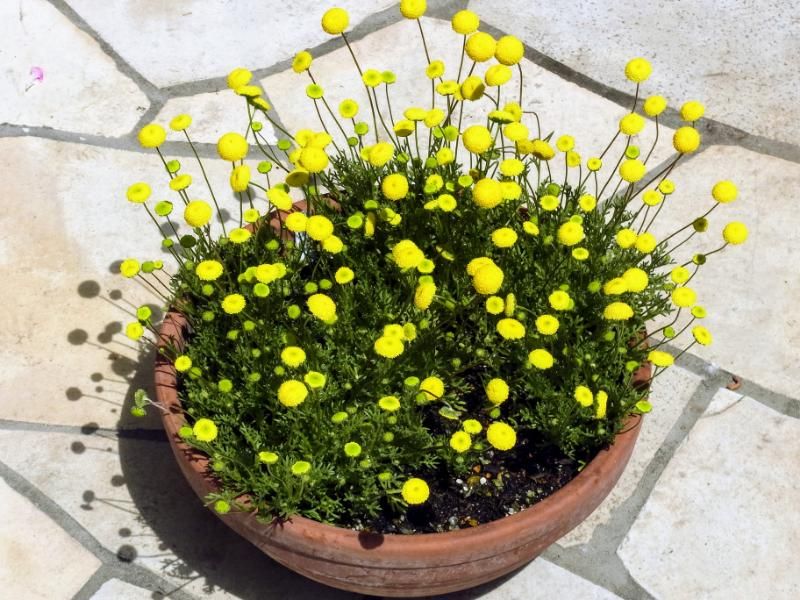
{"x":491,"y":491}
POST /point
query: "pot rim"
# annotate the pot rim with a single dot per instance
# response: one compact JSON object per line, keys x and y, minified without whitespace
{"x":307,"y":533}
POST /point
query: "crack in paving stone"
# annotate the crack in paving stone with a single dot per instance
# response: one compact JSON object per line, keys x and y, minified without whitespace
{"x":780,"y":403}
{"x":58,"y":515}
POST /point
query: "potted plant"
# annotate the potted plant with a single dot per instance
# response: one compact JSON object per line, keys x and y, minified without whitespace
{"x":434,"y":365}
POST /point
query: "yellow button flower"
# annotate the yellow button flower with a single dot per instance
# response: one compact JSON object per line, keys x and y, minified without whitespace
{"x":509,"y":50}
{"x":702,"y":335}
{"x":233,"y":304}
{"x":240,"y":178}
{"x":638,"y":70}
{"x":504,"y":237}
{"x":477,"y":139}
{"x":559,"y":300}
{"x":293,"y":356}
{"x":497,"y":75}
{"x":501,"y":436}
{"x":302,"y":61}
{"x":180,"y":122}
{"x":296,"y":221}
{"x":388,"y":347}
{"x":654,"y":105}
{"x":632,"y":170}
{"x":636,"y":279}
{"x":460,"y":441}
{"x":488,"y":279}
{"x":389,"y":403}
{"x":497,"y":391}
{"x":472,"y":88}
{"x":465,"y":22}
{"x":319,"y":228}
{"x":487,"y":193}
{"x":197,"y":213}
{"x":415,"y":491}
{"x":395,"y":186}
{"x":423,"y":295}
{"x":322,"y":307}
{"x":380,"y":154}
{"x":646,"y":243}
{"x":313,"y":160}
{"x":407,"y":255}
{"x":660,"y":358}
{"x":724,"y":192}
{"x":209,"y":270}
{"x":335,"y":21}
{"x":348,"y":108}
{"x":480,"y":46}
{"x":617,"y":311}
{"x":686,"y":140}
{"x":631,"y":124}
{"x":510,"y":329}
{"x":292,"y":393}
{"x":570,"y":233}
{"x":205,"y":430}
{"x":344,"y":275}
{"x":232,"y":147}
{"x":541,"y":358}
{"x":626,"y":238}
{"x":432,"y":387}
{"x":547,"y":325}
{"x":412,"y":9}
{"x":735,"y":233}
{"x":138,"y":193}
{"x":584,"y":396}
{"x":152,"y":135}
{"x":516,"y":132}
{"x":692,"y":111}
{"x":239,"y":77}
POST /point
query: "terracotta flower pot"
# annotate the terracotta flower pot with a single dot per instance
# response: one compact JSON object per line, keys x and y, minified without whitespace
{"x":395,"y":564}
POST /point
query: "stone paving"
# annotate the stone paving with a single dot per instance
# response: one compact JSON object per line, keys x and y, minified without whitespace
{"x":94,"y":505}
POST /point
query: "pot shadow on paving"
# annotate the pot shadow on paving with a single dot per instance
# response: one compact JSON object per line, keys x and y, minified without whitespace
{"x":163,"y":525}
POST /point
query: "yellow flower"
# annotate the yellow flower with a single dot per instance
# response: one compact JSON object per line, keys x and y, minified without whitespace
{"x":315,"y":380}
{"x":181,"y":182}
{"x":487,"y":193}
{"x":409,"y":332}
{"x":395,"y":186}
{"x":587,"y":202}
{"x":617,"y":311}
{"x":472,"y":426}
{"x":380,"y":154}
{"x":565,"y":143}
{"x":680,"y":275}
{"x":594,"y":164}
{"x":322,"y":307}
{"x":434,"y":69}
{"x":615,"y":287}
{"x":152,"y":136}
{"x":301,"y":467}
{"x":389,"y":347}
{"x":488,"y":279}
{"x":293,"y":356}
{"x":251,"y":215}
{"x":232,"y":147}
{"x":292,"y":393}
{"x":423,"y":295}
{"x":580,"y":253}
{"x":626,"y":238}
{"x":352,"y":449}
{"x":389,"y":403}
{"x":549,"y":202}
{"x":480,"y":46}
{"x":446,"y":202}
{"x":511,"y":167}
{"x":497,"y":391}
{"x":412,"y":9}
{"x":724,"y":192}
{"x":268,"y":458}
{"x":348,"y":108}
{"x":197,"y":213}
{"x":405,"y":127}
{"x":541,"y":358}
{"x":432,"y":387}
{"x":683,"y":297}
{"x":632,"y":170}
{"x":313,"y":160}
{"x":180,"y":122}
{"x":654,"y":105}
{"x":510,"y":329}
{"x":547,"y":325}
{"x":279,"y":198}
{"x":415,"y":113}
{"x":702,"y":335}
{"x":510,"y":190}
{"x":497,"y":75}
{"x":239,"y":77}
{"x":560,"y":300}
{"x":601,"y":399}
{"x":570,"y":233}
{"x":239,"y":235}
{"x":638,"y":70}
{"x":209,"y":270}
{"x":465,"y":22}
{"x":205,"y":430}
{"x":134,"y":330}
{"x":573,"y":159}
{"x":495,"y":305}
{"x":505,"y":237}
{"x":511,"y":304}
{"x":250,"y":91}
{"x":509,"y":50}
{"x":138,"y":192}
{"x":393,"y":330}
{"x":646,"y":243}
{"x":666,"y":187}
{"x":460,"y":441}
{"x":233,"y":304}
{"x":302,"y":61}
{"x":631,"y":124}
{"x":183,"y":363}
{"x":319,"y":228}
{"x":735,"y":233}
{"x":686,"y":140}
{"x":415,"y":491}
{"x":477,"y":139}
{"x":636,"y":279}
{"x":692,"y":111}
{"x":660,"y":358}
{"x":344,"y":275}
{"x":584,"y":395}
{"x":530,"y":228}
{"x":333,"y":244}
{"x":651,"y":198}
{"x":407,"y":255}
{"x":372,"y":78}
{"x":297,"y":178}
{"x":516,"y":132}
{"x":501,"y":436}
{"x":477,"y":263}
{"x":296,"y":221}
{"x":335,"y":21}
{"x":542,"y":150}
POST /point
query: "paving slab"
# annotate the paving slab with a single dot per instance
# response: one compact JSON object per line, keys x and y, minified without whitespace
{"x":213,"y":114}
{"x":29,"y":541}
{"x":738,"y":50}
{"x":750,"y":291}
{"x":131,"y":496}
{"x":63,"y":356}
{"x":670,"y":393}
{"x":538,"y":580}
{"x":172,"y":43}
{"x":114,"y":589}
{"x":55,"y":75}
{"x":722,"y":520}
{"x":562,"y":107}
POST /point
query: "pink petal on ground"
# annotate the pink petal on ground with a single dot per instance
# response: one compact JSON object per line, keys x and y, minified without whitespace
{"x":38,"y":73}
